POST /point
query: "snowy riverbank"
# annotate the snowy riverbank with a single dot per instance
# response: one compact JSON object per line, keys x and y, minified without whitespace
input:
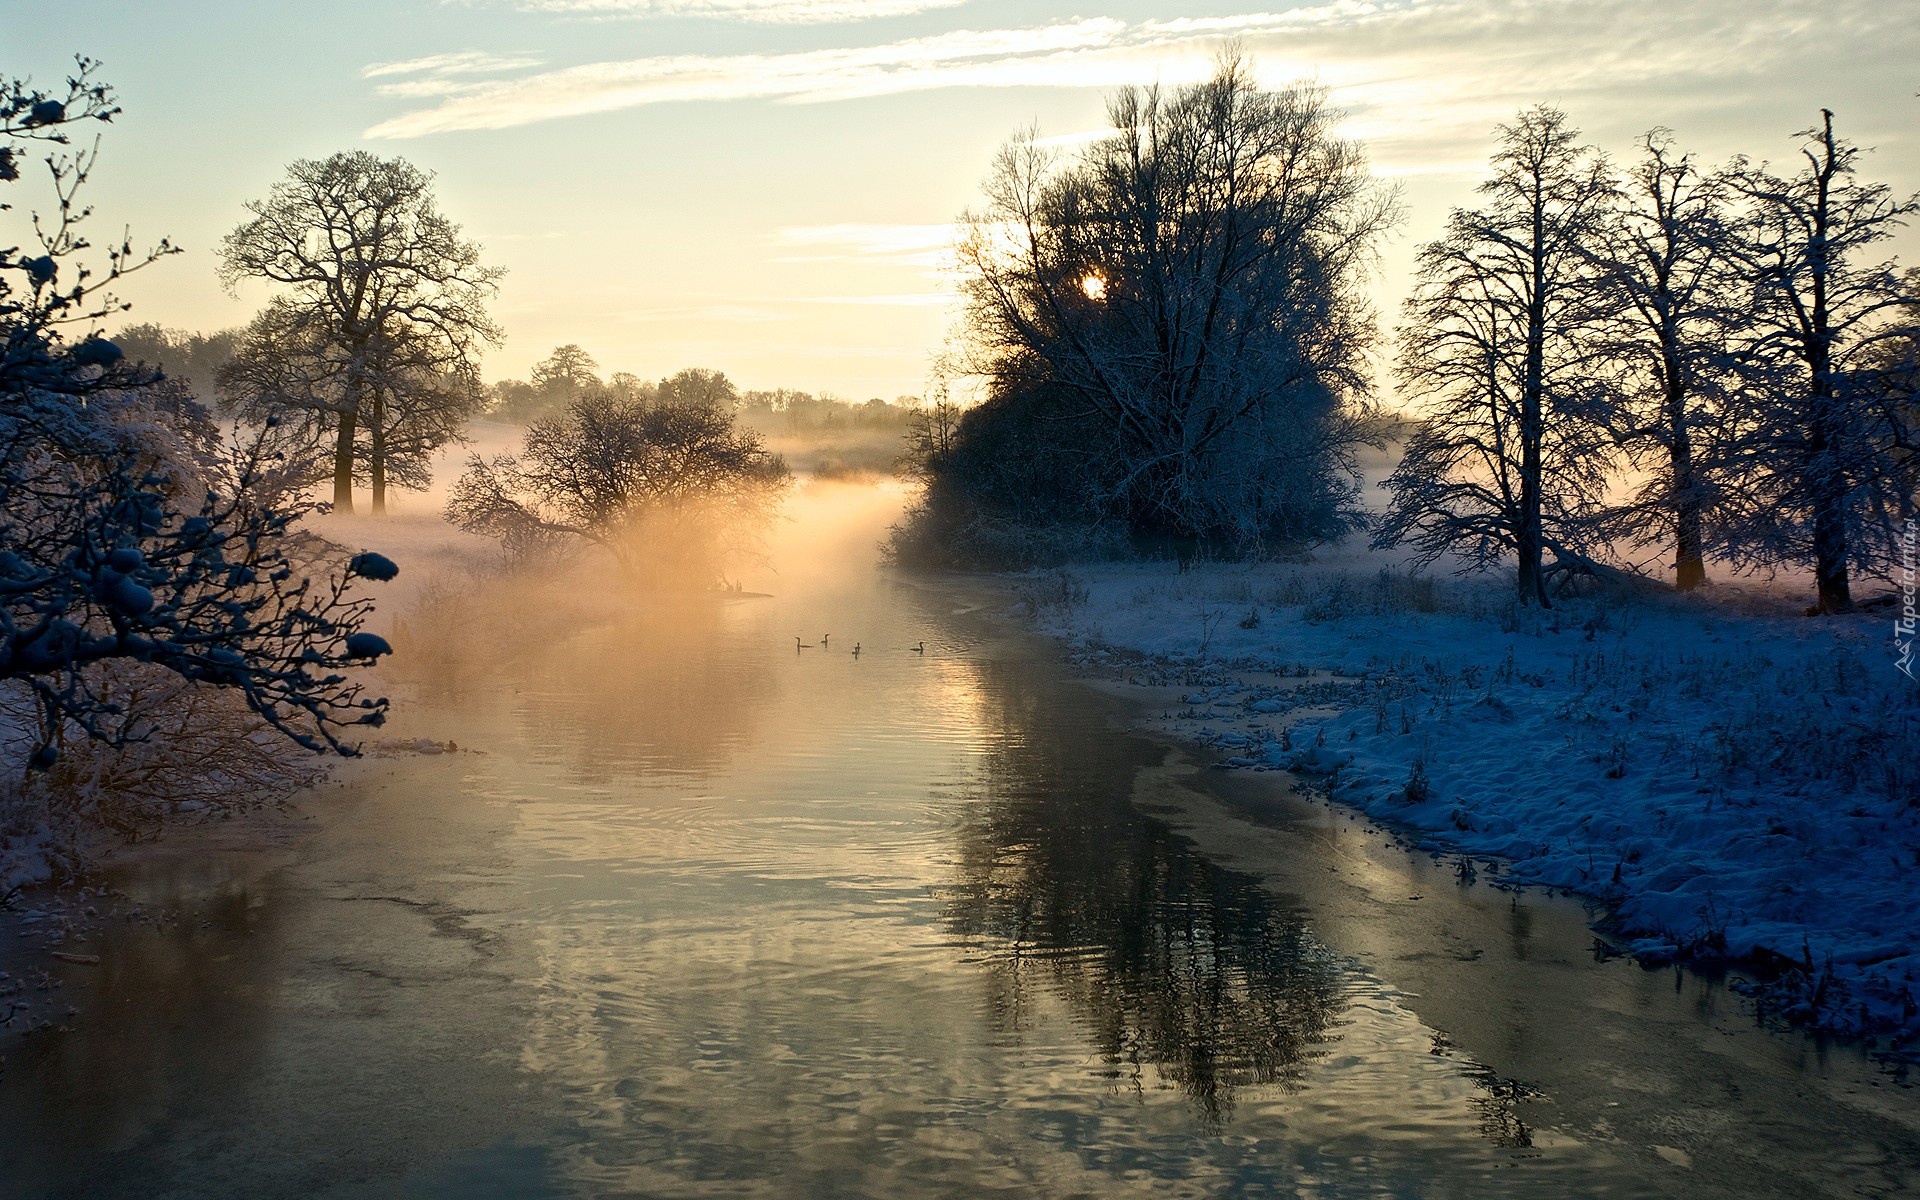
{"x":1736,"y":781}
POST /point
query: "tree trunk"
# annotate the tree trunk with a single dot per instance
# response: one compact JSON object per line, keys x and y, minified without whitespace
{"x":1829,"y":484}
{"x":1529,"y":537}
{"x":1830,"y":558}
{"x":1833,"y":592}
{"x":1689,"y":567}
{"x":343,"y":463}
{"x":377,"y":455}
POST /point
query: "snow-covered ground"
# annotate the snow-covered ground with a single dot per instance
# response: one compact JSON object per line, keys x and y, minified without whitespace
{"x":1737,"y":782}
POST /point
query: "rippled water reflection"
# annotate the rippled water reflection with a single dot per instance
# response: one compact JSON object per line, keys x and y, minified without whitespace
{"x":701,"y":914}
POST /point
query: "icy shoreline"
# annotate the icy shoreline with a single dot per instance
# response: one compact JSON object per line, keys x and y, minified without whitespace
{"x":1737,"y":783}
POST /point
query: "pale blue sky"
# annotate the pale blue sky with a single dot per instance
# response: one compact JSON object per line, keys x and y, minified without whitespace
{"x":760,"y":186}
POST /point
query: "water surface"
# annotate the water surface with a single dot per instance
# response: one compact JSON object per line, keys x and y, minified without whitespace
{"x":692,"y":912}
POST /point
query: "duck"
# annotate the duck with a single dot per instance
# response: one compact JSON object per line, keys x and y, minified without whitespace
{"x":920,"y":648}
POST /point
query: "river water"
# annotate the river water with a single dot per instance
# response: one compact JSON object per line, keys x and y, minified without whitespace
{"x":694,"y":912}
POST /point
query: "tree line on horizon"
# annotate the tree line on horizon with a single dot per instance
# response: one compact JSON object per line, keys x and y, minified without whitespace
{"x":251,"y":374}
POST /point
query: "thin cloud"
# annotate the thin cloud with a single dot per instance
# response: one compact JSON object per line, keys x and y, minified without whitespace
{"x":1444,"y":70}
{"x":466,"y":62}
{"x":1074,"y":140}
{"x":1093,"y":52}
{"x":768,"y":12}
{"x":894,"y":300}
{"x":707,"y":314}
{"x":902,"y":244}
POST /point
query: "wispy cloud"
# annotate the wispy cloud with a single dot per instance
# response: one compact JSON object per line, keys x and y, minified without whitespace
{"x":723,"y":313}
{"x":440,"y":76}
{"x":1094,"y":52}
{"x":899,"y":244}
{"x":770,"y":12}
{"x":1425,"y":79}
{"x":894,"y":300}
{"x":466,"y":62}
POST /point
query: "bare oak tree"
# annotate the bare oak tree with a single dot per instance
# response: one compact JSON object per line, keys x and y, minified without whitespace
{"x":1669,"y":266}
{"x":378,"y":281}
{"x":1829,"y":460}
{"x":1501,"y":344}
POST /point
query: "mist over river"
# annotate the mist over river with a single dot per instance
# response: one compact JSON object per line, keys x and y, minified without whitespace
{"x":694,"y":910}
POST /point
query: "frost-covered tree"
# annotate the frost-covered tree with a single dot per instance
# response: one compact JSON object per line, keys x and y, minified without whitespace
{"x":1501,"y":346}
{"x":1828,"y":460}
{"x":660,"y":486}
{"x":374,"y":273}
{"x":289,"y":377}
{"x":1669,"y":267}
{"x":128,"y":533}
{"x":1185,"y":299}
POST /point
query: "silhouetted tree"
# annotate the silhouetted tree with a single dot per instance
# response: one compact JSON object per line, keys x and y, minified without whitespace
{"x":1194,"y":283}
{"x":1669,"y":268}
{"x":1501,"y":343}
{"x":646,"y":481}
{"x":1829,"y":458}
{"x":554,"y":382}
{"x":372,"y":272}
{"x":933,"y":434}
{"x":566,"y":372}
{"x":696,"y":385}
{"x":193,"y":359}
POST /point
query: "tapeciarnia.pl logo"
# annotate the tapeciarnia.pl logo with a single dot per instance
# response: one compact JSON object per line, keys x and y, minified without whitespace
{"x":1903,"y":625}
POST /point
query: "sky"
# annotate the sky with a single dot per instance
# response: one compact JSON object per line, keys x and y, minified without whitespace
{"x":767,"y":187}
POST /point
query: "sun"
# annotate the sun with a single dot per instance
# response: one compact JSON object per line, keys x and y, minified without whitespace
{"x":1094,"y":286}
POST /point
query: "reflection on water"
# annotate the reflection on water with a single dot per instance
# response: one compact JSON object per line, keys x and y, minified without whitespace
{"x":694,"y":913}
{"x":1170,"y":962}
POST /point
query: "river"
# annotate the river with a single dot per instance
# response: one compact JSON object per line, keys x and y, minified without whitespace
{"x":693,"y":911}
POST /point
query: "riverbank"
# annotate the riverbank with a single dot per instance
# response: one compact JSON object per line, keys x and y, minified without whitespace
{"x":1734,"y":782}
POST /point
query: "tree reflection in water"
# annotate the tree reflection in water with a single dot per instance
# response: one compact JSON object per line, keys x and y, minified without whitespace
{"x":1169,"y":961}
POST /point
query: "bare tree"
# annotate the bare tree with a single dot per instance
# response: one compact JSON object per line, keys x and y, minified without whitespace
{"x":128,"y":533}
{"x":1194,"y":284}
{"x":1829,"y":460}
{"x":554,"y":382}
{"x":376,"y":274}
{"x":933,"y":433}
{"x":1500,"y":342}
{"x":286,"y":379}
{"x":1669,"y":264}
{"x":421,"y":394}
{"x":569,"y":370}
{"x":697,"y":385}
{"x":659,"y":486}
